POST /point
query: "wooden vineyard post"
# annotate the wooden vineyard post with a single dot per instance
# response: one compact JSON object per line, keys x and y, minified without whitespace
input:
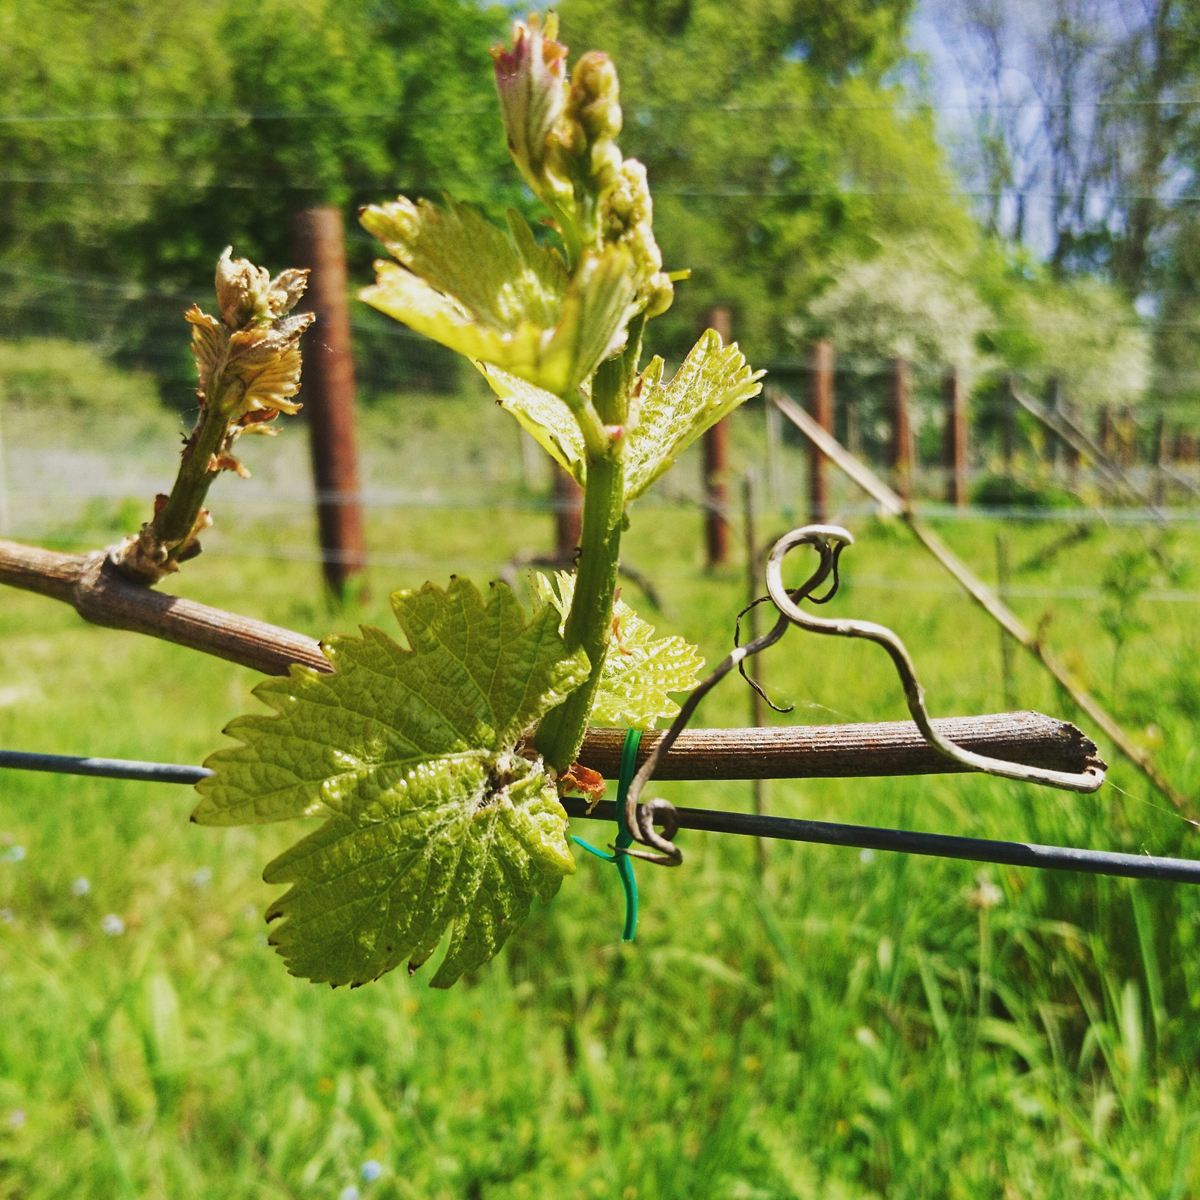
{"x":899,"y":388}
{"x":568,"y":516}
{"x":956,"y":446}
{"x":716,"y":459}
{"x":820,"y":407}
{"x":319,"y":244}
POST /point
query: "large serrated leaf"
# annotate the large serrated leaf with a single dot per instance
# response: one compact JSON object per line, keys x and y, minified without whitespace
{"x":639,"y":670}
{"x":431,"y":818}
{"x":499,"y":297}
{"x":711,"y":383}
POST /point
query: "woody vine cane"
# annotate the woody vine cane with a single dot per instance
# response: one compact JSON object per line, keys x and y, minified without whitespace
{"x":829,"y":541}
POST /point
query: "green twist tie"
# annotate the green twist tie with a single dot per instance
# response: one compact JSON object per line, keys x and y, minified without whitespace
{"x":623,"y":863}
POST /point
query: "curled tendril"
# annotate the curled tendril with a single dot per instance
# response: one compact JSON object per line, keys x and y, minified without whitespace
{"x":828,"y":541}
{"x":838,"y":547}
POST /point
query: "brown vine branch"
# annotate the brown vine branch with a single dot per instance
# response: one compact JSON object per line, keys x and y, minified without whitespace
{"x":848,"y":751}
{"x":892,"y":504}
{"x":101,"y":595}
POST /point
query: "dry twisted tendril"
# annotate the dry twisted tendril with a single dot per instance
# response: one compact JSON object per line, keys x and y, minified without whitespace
{"x":829,"y":541}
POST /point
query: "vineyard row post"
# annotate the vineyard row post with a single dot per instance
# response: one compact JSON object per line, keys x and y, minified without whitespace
{"x":319,"y":244}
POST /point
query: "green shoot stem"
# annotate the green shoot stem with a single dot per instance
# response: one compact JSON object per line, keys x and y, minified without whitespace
{"x":190,"y":490}
{"x":589,"y":623}
{"x":155,"y":552}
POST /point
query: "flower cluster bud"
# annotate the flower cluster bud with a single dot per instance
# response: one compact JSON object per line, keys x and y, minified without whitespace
{"x":626,"y":218}
{"x":582,"y":144}
{"x":563,"y":138}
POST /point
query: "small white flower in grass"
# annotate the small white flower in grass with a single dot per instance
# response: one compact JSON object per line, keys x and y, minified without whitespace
{"x":7,"y":917}
{"x":371,"y":1170}
{"x":113,"y":925}
{"x":201,"y":876}
{"x":348,"y":1193}
{"x":14,"y":854}
{"x":16,"y":1118}
{"x":81,"y":887}
{"x":866,"y":856}
{"x":987,"y":894}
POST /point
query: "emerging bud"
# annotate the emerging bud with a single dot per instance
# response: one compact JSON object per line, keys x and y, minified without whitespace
{"x":531,"y":82}
{"x":251,"y":367}
{"x":249,"y":370}
{"x":247,"y":293}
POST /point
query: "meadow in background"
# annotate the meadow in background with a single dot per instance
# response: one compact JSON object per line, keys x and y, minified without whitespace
{"x":847,"y":1025}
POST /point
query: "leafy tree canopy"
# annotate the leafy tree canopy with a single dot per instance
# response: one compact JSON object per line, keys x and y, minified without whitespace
{"x":143,"y":137}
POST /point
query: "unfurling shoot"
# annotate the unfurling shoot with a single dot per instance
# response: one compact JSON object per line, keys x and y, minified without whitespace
{"x":248,"y":367}
{"x":436,"y":769}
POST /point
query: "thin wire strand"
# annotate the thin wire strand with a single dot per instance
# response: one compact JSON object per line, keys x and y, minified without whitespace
{"x":913,"y":107}
{"x":904,"y":841}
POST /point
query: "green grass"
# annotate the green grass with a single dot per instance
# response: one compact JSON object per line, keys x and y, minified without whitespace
{"x":845,"y":1026}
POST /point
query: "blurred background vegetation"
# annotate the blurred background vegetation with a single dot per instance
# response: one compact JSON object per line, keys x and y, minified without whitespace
{"x":792,"y":147}
{"x":839,"y":1027}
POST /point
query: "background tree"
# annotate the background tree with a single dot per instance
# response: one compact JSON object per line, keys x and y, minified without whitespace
{"x":140,"y":139}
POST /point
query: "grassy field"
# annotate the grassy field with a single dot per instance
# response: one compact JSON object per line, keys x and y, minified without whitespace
{"x":846,"y":1025}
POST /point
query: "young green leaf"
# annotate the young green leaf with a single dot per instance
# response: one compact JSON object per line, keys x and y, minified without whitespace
{"x":498,"y":296}
{"x":546,"y":417}
{"x":432,"y":819}
{"x":639,"y":671}
{"x":711,"y":383}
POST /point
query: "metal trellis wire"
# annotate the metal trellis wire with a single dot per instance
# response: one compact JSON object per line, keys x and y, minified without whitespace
{"x":862,"y":837}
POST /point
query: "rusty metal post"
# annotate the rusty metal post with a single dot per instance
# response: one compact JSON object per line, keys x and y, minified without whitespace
{"x":568,"y":515}
{"x":956,"y":445}
{"x":318,"y":240}
{"x":716,"y":459}
{"x":899,"y":389}
{"x":820,"y":408}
